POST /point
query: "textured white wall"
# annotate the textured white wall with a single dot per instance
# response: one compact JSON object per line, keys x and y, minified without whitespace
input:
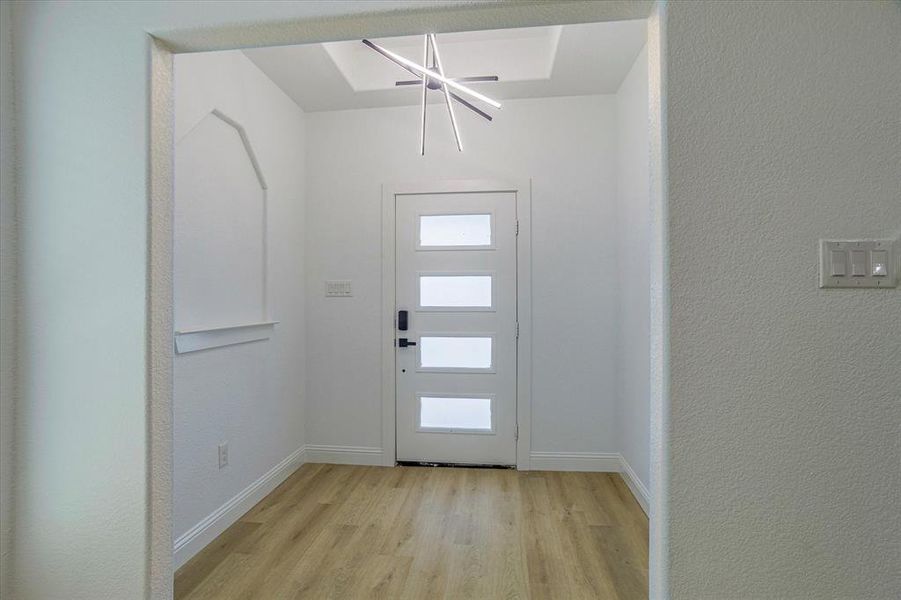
{"x":8,"y":299}
{"x":633,"y":266}
{"x":784,"y":471}
{"x":82,"y":154}
{"x":249,"y":395}
{"x":784,"y":126}
{"x":566,"y":145}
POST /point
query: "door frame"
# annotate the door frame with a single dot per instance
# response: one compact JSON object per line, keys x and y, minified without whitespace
{"x":522,"y":189}
{"x":164,"y":42}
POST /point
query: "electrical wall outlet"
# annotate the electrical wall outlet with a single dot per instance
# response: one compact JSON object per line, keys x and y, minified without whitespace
{"x":223,"y":455}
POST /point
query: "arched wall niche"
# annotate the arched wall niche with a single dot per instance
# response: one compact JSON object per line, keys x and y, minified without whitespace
{"x":220,"y":237}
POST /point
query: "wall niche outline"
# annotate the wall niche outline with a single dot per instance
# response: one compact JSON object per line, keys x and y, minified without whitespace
{"x":220,"y":237}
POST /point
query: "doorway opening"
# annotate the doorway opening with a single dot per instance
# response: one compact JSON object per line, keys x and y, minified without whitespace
{"x":284,"y":257}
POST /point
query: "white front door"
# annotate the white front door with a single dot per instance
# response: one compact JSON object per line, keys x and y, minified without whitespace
{"x":456,"y":327}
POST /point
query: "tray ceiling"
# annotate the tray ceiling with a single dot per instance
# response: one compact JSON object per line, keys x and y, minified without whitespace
{"x":532,"y":62}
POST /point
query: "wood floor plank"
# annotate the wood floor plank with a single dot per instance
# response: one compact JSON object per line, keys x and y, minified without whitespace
{"x":192,"y":574}
{"x":348,"y":532}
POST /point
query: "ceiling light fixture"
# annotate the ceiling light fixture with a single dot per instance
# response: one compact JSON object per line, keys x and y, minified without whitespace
{"x":432,"y":77}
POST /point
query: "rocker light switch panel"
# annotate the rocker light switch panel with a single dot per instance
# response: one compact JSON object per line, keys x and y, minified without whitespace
{"x":338,"y":288}
{"x":858,"y":264}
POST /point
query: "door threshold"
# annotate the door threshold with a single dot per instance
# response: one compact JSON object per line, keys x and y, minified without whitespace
{"x":413,"y":463}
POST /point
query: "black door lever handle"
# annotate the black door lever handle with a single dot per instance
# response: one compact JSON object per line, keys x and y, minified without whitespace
{"x":403,"y":343}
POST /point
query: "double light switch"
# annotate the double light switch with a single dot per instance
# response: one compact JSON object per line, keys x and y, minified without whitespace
{"x":857,"y":263}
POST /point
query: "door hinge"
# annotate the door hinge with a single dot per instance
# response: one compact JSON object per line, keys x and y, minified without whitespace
{"x":517,"y":226}
{"x":516,"y":433}
{"x":517,"y":330}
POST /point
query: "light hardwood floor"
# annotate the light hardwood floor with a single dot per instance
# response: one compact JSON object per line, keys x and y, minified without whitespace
{"x":349,"y":532}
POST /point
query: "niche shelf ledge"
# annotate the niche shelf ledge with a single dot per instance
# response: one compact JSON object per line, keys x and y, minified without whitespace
{"x":195,"y":339}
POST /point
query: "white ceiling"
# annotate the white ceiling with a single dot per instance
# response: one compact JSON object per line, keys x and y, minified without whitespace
{"x":534,"y":62}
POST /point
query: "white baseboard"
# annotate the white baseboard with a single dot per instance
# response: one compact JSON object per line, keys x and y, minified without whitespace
{"x":344,"y":455}
{"x":602,"y":462}
{"x":196,"y":538}
{"x":639,"y":489}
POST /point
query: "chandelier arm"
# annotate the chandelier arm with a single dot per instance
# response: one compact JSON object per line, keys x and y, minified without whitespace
{"x":431,"y":74}
{"x":397,"y":62}
{"x":447,"y":98}
{"x":475,"y":79}
{"x":471,"y":106}
{"x":454,"y":96}
{"x":425,"y":91}
{"x":457,"y":79}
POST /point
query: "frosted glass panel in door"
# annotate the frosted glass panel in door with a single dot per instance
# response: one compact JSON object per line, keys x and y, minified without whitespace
{"x":436,"y":231}
{"x":455,"y":291}
{"x":456,"y":352}
{"x":455,"y":413}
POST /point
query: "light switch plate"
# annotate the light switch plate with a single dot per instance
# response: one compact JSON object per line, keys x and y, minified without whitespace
{"x":858,"y":264}
{"x":338,"y":288}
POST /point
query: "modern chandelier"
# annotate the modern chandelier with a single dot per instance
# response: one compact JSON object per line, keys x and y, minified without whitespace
{"x":430,"y":75}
